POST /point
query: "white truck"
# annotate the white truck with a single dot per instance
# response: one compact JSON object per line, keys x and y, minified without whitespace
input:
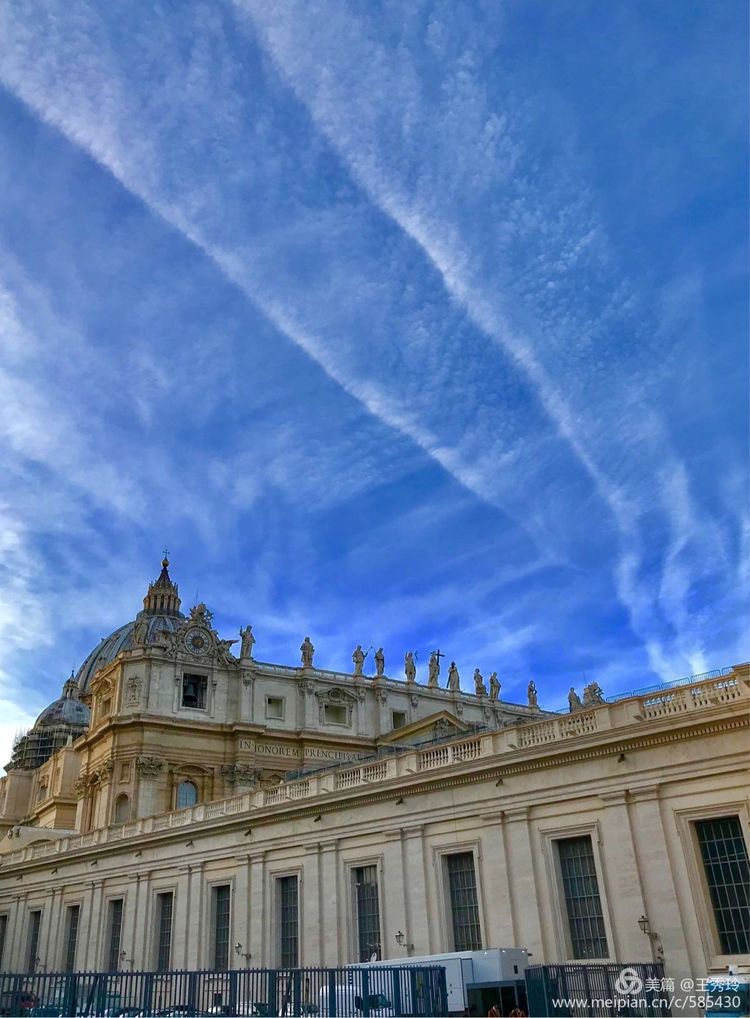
{"x":468,"y":974}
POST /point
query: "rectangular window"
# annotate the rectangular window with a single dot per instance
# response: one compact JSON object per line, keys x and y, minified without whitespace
{"x":288,"y":904}
{"x":725,"y":863}
{"x":115,"y":934}
{"x":72,"y":915}
{"x":399,"y":718}
{"x":588,"y":937}
{"x":334,"y":714}
{"x":164,"y":930}
{"x":32,"y":945}
{"x":275,"y":708}
{"x":194,"y":691}
{"x":3,"y":931}
{"x":462,"y":889}
{"x":221,"y":907}
{"x":367,"y":911}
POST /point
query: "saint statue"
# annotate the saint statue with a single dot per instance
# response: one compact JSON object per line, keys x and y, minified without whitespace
{"x":494,"y":687}
{"x":479,"y":687}
{"x":454,"y":680}
{"x":410,"y":669}
{"x":531,"y":693}
{"x":224,"y":650}
{"x":358,"y":657}
{"x":592,"y":694}
{"x":248,"y":641}
{"x":140,"y":632}
{"x":379,"y":662}
{"x":307,"y":650}
{"x":574,"y":700}
{"x":433,"y":669}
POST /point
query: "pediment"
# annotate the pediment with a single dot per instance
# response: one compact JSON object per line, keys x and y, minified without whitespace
{"x":440,"y":725}
{"x":336,"y":695}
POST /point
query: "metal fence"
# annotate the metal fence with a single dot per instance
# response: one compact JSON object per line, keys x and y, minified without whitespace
{"x":414,"y":990}
{"x":628,"y":991}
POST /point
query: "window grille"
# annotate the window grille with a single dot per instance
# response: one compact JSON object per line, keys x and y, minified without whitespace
{"x":71,"y":937}
{"x":588,"y":936}
{"x":35,"y":920}
{"x":725,"y":862}
{"x":163,"y":931}
{"x":462,"y":884}
{"x":220,"y":952}
{"x":368,"y":911}
{"x":288,"y":922}
{"x":115,"y":933}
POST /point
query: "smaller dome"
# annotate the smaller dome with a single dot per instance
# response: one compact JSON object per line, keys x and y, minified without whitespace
{"x":66,"y":710}
{"x":64,"y":720}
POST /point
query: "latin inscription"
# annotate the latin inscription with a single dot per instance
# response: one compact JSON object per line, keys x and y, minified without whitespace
{"x":311,"y":752}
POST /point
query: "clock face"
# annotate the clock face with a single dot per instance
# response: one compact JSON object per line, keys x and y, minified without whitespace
{"x":197,"y":640}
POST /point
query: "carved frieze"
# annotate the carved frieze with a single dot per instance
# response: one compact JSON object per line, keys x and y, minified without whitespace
{"x":240,"y":774}
{"x":149,"y":766}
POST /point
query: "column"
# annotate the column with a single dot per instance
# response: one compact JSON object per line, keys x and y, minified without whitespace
{"x":422,"y":933}
{"x":197,"y":929}
{"x":330,"y":931}
{"x":311,"y":953}
{"x":90,"y":933}
{"x":396,"y":905}
{"x":260,"y":914}
{"x":181,"y":919}
{"x":47,"y":940}
{"x":678,"y":928}
{"x":622,"y":880}
{"x":136,"y":926}
{"x":523,"y":889}
{"x":494,"y":884}
{"x":241,"y":913}
{"x":15,"y":938}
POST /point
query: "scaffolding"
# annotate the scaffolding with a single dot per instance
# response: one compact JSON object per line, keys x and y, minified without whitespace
{"x":38,"y":744}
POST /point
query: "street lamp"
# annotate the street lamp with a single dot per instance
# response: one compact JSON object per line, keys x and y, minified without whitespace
{"x":240,"y":953}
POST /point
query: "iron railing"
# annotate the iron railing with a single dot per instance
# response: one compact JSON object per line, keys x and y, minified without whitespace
{"x":327,"y":992}
{"x":624,"y":990}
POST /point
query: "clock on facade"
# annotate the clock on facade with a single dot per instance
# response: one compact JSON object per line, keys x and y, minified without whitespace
{"x":197,"y":640}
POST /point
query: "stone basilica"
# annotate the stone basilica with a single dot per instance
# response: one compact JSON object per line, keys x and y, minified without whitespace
{"x":183,"y":805}
{"x":164,"y":716}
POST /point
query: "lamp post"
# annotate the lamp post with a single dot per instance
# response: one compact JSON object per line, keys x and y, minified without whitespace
{"x":247,"y":955}
{"x":657,"y":950}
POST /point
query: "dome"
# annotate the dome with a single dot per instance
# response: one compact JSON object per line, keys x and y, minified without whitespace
{"x":63,"y":721}
{"x":67,"y":710}
{"x":161,"y":611}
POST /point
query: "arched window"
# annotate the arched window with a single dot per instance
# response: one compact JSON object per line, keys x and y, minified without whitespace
{"x":187,"y":795}
{"x":122,"y":809}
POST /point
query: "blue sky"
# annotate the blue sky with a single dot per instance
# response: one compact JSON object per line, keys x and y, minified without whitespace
{"x":416,"y":324}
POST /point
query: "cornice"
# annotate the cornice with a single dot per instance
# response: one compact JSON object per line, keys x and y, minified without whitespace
{"x":420,"y":783}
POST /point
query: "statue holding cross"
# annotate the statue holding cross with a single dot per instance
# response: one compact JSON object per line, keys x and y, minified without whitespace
{"x":433,"y":670}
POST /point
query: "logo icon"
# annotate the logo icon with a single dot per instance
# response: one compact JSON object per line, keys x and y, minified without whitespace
{"x":628,"y":983}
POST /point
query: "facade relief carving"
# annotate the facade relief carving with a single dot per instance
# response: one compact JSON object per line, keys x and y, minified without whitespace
{"x":149,"y":766}
{"x":240,"y":774}
{"x":133,"y":691}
